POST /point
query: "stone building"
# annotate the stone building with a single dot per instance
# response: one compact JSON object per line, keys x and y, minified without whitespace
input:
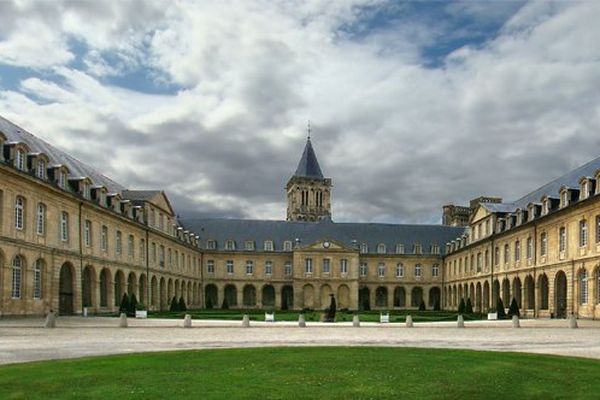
{"x":71,"y":238}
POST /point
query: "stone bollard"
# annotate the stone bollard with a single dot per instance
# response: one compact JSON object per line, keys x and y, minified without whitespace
{"x":50,"y":320}
{"x":123,"y":320}
{"x":246,"y":321}
{"x":301,"y":321}
{"x":409,"y":322}
{"x":460,"y":322}
{"x":356,"y":321}
{"x":573,"y":322}
{"x":187,"y":321}
{"x":515,"y":321}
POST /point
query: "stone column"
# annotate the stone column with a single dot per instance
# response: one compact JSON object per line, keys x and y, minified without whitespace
{"x":278,"y":297}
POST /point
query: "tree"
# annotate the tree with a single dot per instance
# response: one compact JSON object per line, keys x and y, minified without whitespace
{"x":422,"y":306}
{"x":500,"y":309}
{"x":132,"y":304}
{"x":513,"y":309}
{"x":174,"y":305}
{"x":469,"y":307}
{"x":462,"y":306}
{"x":330,"y":314}
{"x":124,"y":308}
{"x":181,"y":304}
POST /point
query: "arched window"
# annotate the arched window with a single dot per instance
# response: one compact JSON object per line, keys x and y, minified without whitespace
{"x":287,"y":245}
{"x":40,"y":220}
{"x":17,"y":270}
{"x":381,"y":248}
{"x":583,"y":287}
{"x":19,"y":213}
{"x":364,"y":248}
{"x":37,"y":278}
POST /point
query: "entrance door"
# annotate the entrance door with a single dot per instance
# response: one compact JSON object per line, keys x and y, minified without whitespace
{"x":65,"y":290}
{"x":560,"y":294}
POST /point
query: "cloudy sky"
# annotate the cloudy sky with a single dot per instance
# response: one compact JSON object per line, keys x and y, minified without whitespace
{"x":413,"y":104}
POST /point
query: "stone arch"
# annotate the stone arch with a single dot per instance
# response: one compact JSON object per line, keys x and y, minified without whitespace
{"x":268,"y":296}
{"x":287,"y":297}
{"x":506,"y":292}
{"x":119,"y":287}
{"x":343,"y":297}
{"x":249,"y":296}
{"x":478,"y":300}
{"x":66,"y":292}
{"x":231,"y":295}
{"x":325,"y":296}
{"x":529,"y":303}
{"x":399,"y":297}
{"x":211,"y":296}
{"x":88,"y":286}
{"x":154,"y":291}
{"x":560,"y":294}
{"x":132,"y":285}
{"x":416,"y":296}
{"x":543,"y":291}
{"x":308,"y":296}
{"x":516,"y":291}
{"x":142,"y":290}
{"x":381,"y":297}
{"x":434,"y":297}
{"x":105,"y":284}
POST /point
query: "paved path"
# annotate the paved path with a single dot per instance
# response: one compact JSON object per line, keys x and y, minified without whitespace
{"x":24,"y":340}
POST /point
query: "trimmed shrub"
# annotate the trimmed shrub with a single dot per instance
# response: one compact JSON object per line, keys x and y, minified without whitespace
{"x":462,"y":306}
{"x":174,"y":305}
{"x":124,"y":308}
{"x":513,"y":309}
{"x":181,"y":305}
{"x":469,"y":307}
{"x":422,"y":306}
{"x":500,"y":309}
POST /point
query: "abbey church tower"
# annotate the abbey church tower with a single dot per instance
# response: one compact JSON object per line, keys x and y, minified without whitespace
{"x":308,"y":192}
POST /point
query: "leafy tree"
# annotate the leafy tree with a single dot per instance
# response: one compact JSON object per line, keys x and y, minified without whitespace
{"x":132,"y":304}
{"x":422,"y":306}
{"x":462,"y":307}
{"x":174,"y":305}
{"x":124,"y":308}
{"x":469,"y":307}
{"x":500,"y":309}
{"x":330,"y":315}
{"x":181,"y":305}
{"x":513,"y":309}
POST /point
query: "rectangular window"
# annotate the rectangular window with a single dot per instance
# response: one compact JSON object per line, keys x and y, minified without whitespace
{"x":343,"y":266}
{"x":517,"y":251}
{"x":400,"y":270}
{"x":435,"y":270}
{"x":37,"y":279}
{"x":583,"y":233}
{"x":41,"y":219}
{"x":478,"y":262}
{"x":161,"y":256}
{"x":154,"y":252}
{"x":249,"y":267}
{"x":287,"y":246}
{"x":41,"y":169}
{"x":268,"y":267}
{"x":506,"y":254}
{"x":211,"y":245}
{"x":64,"y":226}
{"x":119,"y":243}
{"x":364,"y":269}
{"x":268,"y":245}
{"x":529,"y":248}
{"x":210,"y":266}
{"x":326,"y":265}
{"x":496,"y":255}
{"x":308,"y":265}
{"x":87,"y":233}
{"x":399,"y":248}
{"x":130,"y":244}
{"x":143,"y":249}
{"x":381,"y":270}
{"x":249,"y":245}
{"x":418,"y":271}
{"x":544,"y":244}
{"x":287,"y":268}
{"x":562,"y":239}
{"x":104,"y":238}
{"x":229,"y":267}
{"x":19,"y":213}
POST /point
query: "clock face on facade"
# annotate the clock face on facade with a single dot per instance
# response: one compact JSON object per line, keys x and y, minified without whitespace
{"x":326,"y":245}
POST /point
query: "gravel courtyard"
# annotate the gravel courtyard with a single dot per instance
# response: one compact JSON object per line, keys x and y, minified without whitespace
{"x":25,"y":339}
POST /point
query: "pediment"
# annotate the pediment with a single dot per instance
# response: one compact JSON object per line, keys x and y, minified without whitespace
{"x":327,"y":245}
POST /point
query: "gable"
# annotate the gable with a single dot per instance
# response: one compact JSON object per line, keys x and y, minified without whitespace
{"x":327,"y":245}
{"x":480,"y":213}
{"x":161,"y":200}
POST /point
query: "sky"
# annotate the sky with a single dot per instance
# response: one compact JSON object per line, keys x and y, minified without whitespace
{"x":413,"y":104}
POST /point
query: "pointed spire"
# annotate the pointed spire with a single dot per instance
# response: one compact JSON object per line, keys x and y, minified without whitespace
{"x":308,"y":167}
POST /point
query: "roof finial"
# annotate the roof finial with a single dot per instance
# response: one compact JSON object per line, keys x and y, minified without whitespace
{"x":308,"y":129}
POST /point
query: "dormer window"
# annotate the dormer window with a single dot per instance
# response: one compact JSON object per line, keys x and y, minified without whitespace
{"x":435,"y":249}
{"x":287,"y":245}
{"x":211,"y":244}
{"x":268,"y":245}
{"x":364,"y":248}
{"x":417,"y":249}
{"x":62,"y":180}
{"x":40,"y":170}
{"x":230,"y":245}
{"x":564,"y":198}
{"x":20,"y":160}
{"x":381,"y":249}
{"x":531,"y":215}
{"x":545,"y":206}
{"x":86,"y":190}
{"x":585,"y":189}
{"x":399,"y":248}
{"x":249,"y":245}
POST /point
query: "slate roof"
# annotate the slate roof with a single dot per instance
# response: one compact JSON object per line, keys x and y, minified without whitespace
{"x":144,"y":195}
{"x":77,"y":168}
{"x":241,"y":230}
{"x":308,"y":167}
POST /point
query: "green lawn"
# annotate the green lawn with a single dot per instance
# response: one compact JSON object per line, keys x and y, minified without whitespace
{"x":306,"y":373}
{"x":367,"y":316}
